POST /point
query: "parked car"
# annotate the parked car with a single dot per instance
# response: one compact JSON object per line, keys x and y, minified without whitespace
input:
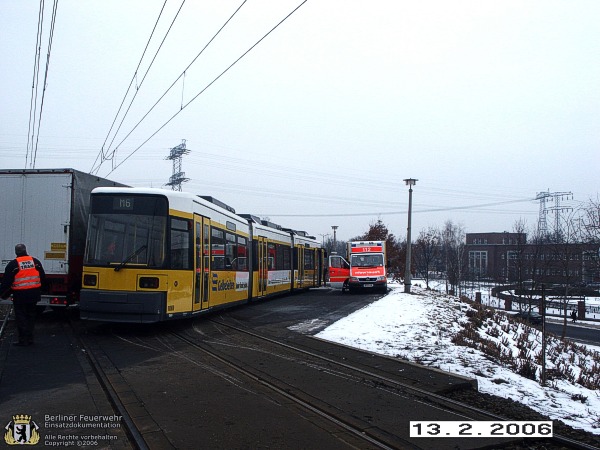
{"x":530,"y":316}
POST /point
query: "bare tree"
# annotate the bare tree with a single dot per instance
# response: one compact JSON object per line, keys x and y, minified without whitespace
{"x":528,"y":266}
{"x":566,"y":253}
{"x":517,"y":264}
{"x":590,"y":229}
{"x":338,"y":246}
{"x":378,"y":231}
{"x":590,"y":218}
{"x":453,"y":246}
{"x":427,"y":251}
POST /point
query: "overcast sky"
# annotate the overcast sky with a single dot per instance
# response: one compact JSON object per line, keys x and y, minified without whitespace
{"x":486,"y":103}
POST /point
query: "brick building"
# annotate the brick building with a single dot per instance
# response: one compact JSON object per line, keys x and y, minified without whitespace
{"x":508,"y":257}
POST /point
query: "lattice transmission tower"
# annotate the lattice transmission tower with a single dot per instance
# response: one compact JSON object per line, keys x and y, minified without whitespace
{"x":178,"y":176}
{"x":544,"y":197}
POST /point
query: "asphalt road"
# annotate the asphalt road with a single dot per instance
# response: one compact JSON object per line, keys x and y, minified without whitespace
{"x":586,"y":334}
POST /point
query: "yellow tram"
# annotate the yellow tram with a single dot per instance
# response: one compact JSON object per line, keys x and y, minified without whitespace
{"x":154,"y":255}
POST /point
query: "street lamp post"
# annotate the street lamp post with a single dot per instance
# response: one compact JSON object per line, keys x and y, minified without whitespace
{"x":323,"y":240}
{"x":410,"y":182}
{"x":334,"y":227}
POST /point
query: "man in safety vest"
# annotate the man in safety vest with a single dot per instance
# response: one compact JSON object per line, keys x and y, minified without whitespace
{"x":23,"y":277}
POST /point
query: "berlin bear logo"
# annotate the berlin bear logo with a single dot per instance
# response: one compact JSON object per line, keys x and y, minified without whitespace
{"x":21,"y":430}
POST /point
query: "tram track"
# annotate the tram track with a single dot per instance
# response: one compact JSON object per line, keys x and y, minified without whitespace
{"x":430,"y":397}
{"x":358,"y":432}
{"x":184,"y":344}
{"x":133,"y":433}
{"x":377,"y":434}
{"x":120,"y":391}
{"x":113,"y":386}
{"x":6,"y":312}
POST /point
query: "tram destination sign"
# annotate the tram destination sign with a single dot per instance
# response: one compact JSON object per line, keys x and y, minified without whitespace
{"x":123,"y":203}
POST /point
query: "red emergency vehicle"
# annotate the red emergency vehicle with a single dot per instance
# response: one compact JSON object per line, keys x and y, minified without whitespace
{"x":364,"y":267}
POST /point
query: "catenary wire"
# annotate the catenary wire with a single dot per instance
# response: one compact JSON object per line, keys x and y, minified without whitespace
{"x":354,"y":201}
{"x":101,"y":154}
{"x":62,"y":154}
{"x":448,"y":208}
{"x":311,"y":174}
{"x":180,"y":76}
{"x":203,"y":90}
{"x":34,"y":83}
{"x":50,"y":38}
{"x":113,"y":153}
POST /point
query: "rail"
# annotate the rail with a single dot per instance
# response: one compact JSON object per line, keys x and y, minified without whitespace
{"x":5,"y":320}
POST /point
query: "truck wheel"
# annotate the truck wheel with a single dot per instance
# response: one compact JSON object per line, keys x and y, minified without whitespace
{"x":345,"y":287}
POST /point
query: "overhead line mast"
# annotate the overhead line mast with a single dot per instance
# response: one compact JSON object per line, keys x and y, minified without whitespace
{"x":178,"y":176}
{"x":557,"y":208}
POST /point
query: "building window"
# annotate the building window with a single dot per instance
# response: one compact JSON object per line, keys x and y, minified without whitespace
{"x":478,"y":262}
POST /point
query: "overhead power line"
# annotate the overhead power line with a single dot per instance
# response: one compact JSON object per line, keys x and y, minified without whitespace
{"x":201,"y":91}
{"x":35,"y":117}
{"x":101,"y":154}
{"x":112,"y":154}
{"x":449,"y":208}
{"x":36,"y":63}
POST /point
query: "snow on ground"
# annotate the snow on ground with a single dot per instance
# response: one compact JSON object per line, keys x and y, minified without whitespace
{"x":419,"y":327}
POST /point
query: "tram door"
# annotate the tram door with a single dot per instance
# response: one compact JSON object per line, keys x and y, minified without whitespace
{"x":263,"y":266}
{"x":202,"y":262}
{"x":300,"y":263}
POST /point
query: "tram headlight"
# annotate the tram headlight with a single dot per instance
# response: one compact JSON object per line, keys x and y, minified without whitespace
{"x":149,"y":282}
{"x":90,"y":280}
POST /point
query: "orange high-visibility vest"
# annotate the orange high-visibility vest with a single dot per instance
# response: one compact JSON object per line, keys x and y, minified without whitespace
{"x":28,"y":276}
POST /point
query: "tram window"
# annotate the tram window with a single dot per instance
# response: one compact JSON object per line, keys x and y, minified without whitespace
{"x":230,"y":251}
{"x":206,"y":248}
{"x":230,"y":255}
{"x":286,"y":257}
{"x":241,"y":260}
{"x":272,"y":256}
{"x":113,"y":238}
{"x":217,"y":250}
{"x":309,"y":259}
{"x":181,"y":254}
{"x":255,"y":255}
{"x":198,"y":245}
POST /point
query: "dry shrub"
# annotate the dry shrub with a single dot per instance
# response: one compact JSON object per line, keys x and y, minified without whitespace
{"x":561,"y":356}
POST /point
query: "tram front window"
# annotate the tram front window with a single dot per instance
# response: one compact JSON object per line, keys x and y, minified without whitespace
{"x":116,"y":238}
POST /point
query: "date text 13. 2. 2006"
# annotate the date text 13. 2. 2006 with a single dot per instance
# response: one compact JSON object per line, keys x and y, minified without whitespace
{"x":449,"y":428}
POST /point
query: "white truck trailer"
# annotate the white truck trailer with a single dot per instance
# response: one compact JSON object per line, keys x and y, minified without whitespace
{"x":47,"y":210}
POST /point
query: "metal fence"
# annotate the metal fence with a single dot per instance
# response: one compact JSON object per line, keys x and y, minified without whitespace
{"x":559,"y":303}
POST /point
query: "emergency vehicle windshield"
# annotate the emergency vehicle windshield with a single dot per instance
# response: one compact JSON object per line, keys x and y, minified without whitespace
{"x":366,"y":260}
